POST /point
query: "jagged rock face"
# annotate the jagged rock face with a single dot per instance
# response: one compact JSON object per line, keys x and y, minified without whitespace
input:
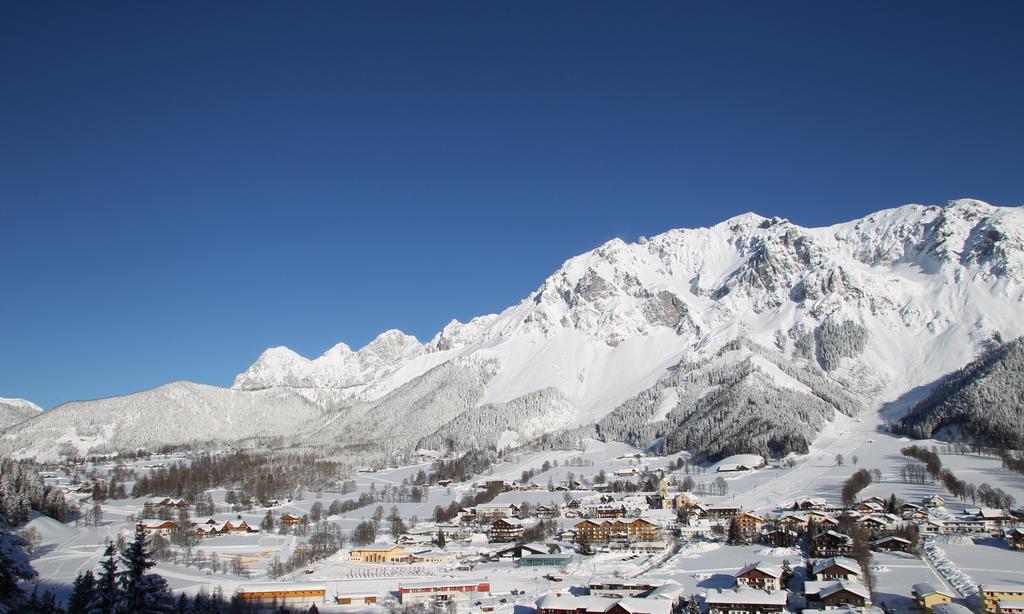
{"x":714,"y":283}
{"x":339,"y":367}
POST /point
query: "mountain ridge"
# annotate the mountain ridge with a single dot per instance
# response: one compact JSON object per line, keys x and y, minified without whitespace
{"x":14,"y":411}
{"x":873,"y":306}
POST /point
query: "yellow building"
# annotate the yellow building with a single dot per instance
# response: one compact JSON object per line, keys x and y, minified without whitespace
{"x":927,"y":595}
{"x":992,"y":594}
{"x":748,"y":524}
{"x":685,"y":500}
{"x":377,"y":553}
{"x":433,"y":556}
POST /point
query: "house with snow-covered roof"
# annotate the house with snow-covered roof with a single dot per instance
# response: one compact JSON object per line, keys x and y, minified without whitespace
{"x":505,"y":530}
{"x":759,"y":575}
{"x":836,"y":568}
{"x":836,"y":593}
{"x":927,"y":595}
{"x":891,"y":543}
{"x":156,"y":526}
{"x":745,"y":601}
{"x":831,"y":543}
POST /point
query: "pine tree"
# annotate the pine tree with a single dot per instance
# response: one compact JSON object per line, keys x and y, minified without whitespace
{"x":106,"y":595}
{"x":47,"y":604}
{"x":141,"y":592}
{"x":14,"y":565}
{"x":441,"y":540}
{"x":787,"y":573}
{"x":83,"y":593}
{"x":583,"y":546}
{"x":267,"y":525}
{"x":734,"y":536}
{"x":692,"y":605}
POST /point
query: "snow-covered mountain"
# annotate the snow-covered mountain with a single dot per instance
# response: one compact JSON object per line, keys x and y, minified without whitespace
{"x":172,"y":414}
{"x":818,"y":320}
{"x":13,"y":411}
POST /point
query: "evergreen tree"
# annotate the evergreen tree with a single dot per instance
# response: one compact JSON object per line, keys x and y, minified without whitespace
{"x":692,"y":605}
{"x":141,"y":592}
{"x":47,"y":604}
{"x":734,"y":536}
{"x":83,"y":593}
{"x":106,"y":595}
{"x":441,"y":540}
{"x":14,"y":565}
{"x":267,"y":525}
{"x":583,"y":546}
{"x":787,"y":573}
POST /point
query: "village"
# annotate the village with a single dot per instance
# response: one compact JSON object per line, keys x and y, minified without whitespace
{"x":604,"y":529}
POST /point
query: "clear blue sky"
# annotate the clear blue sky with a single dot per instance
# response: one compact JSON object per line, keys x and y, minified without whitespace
{"x":183,"y":185}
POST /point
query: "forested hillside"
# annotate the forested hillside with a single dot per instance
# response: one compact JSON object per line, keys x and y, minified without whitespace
{"x":983,"y":401}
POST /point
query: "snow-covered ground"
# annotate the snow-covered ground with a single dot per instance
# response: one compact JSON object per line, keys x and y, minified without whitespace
{"x":67,"y":550}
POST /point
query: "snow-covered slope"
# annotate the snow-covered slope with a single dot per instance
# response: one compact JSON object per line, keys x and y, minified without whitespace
{"x":172,"y":414}
{"x":13,"y":411}
{"x":863,"y":310}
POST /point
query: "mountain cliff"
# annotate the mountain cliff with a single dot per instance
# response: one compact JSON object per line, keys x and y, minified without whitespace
{"x":647,"y":341}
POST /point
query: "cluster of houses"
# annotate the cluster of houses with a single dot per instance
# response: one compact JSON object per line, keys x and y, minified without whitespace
{"x":202,"y":528}
{"x":832,"y":582}
{"x":757,"y":588}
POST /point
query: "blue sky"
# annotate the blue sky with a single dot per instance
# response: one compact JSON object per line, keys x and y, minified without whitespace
{"x":185,"y":184}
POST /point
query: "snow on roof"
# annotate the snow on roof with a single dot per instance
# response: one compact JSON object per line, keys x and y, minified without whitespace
{"x":837,"y":561}
{"x":991,"y":512}
{"x":376,"y":548}
{"x":842,"y":585}
{"x":746,"y":595}
{"x":951,"y":608}
{"x":890,"y":538}
{"x":749,"y":460}
{"x":834,"y":534}
{"x":633,"y":582}
{"x":1002,"y":588}
{"x":568,"y":601}
{"x":154,"y":522}
{"x":761,"y":566}
{"x":263,"y":587}
{"x":670,"y":590}
{"x":544,"y":557}
{"x":923,"y":588}
{"x":442,"y":583}
{"x":638,"y":605}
